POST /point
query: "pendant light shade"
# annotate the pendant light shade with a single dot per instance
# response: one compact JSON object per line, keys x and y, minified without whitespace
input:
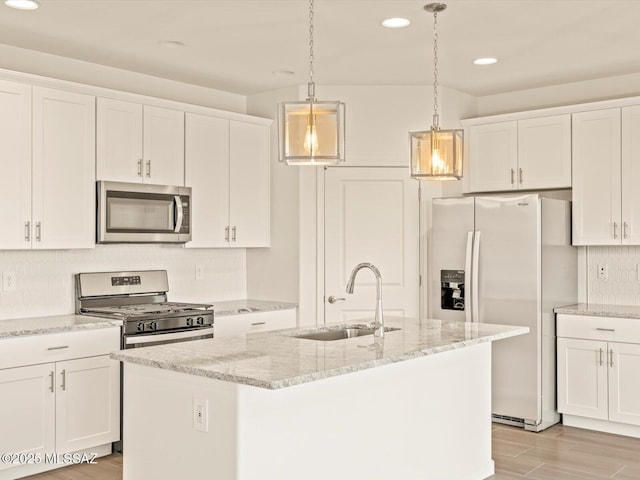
{"x":311,"y":132}
{"x":436,"y":154}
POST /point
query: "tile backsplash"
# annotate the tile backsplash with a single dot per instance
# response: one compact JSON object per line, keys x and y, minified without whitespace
{"x":45,"y":283}
{"x":622,"y":286}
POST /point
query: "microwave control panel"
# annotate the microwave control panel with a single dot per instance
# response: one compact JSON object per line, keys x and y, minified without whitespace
{"x":185,"y":214}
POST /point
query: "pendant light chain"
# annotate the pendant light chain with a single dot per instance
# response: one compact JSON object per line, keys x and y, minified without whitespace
{"x":311,"y":89}
{"x":436,"y":117}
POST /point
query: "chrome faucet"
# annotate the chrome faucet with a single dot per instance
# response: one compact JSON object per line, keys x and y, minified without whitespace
{"x":378,"y":323}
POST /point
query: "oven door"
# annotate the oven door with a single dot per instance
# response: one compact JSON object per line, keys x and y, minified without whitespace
{"x":142,"y":340}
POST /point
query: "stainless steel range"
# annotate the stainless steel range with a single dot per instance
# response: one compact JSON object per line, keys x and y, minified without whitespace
{"x":139,"y":299}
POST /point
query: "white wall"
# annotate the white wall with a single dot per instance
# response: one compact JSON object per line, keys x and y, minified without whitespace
{"x":38,"y":63}
{"x":272,"y":273}
{"x":45,"y":285}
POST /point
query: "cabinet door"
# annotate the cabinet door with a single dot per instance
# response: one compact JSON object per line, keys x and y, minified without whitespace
{"x":544,"y":152}
{"x":64,"y":167}
{"x":631,"y":175}
{"x":207,"y":173}
{"x":624,"y":388}
{"x":596,"y":178}
{"x":118,"y":141}
{"x":163,"y":146}
{"x":15,"y":164}
{"x":27,"y":410}
{"x":88,"y":403}
{"x":493,"y":153}
{"x":582,"y":378}
{"x":249,"y":215}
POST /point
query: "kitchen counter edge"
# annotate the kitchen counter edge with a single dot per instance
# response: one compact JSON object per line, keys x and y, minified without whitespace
{"x":23,"y":327}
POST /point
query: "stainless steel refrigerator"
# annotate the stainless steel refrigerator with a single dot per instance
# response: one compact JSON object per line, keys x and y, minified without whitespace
{"x":507,"y":260}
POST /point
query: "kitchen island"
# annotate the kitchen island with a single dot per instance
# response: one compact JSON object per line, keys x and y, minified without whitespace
{"x":413,"y":405}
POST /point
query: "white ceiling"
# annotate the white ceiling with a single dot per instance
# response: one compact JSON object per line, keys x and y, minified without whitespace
{"x":235,"y":45}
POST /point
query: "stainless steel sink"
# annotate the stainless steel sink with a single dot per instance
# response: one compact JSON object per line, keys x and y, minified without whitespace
{"x":328,"y":335}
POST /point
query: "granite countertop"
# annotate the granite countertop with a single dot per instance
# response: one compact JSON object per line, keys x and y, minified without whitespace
{"x":276,"y":359}
{"x":19,"y":327}
{"x":600,"y":310}
{"x":238,"y":307}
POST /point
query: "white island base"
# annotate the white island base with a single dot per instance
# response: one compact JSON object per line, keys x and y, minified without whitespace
{"x":425,"y":418}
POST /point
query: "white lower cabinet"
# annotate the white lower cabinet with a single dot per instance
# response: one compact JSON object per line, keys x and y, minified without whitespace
{"x":65,"y":405}
{"x":597,"y":374}
{"x":233,"y":325}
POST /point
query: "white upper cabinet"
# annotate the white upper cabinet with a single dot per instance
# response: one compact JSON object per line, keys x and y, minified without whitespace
{"x":544,"y":152}
{"x":63,"y":196}
{"x":207,"y":173}
{"x":249,"y":213}
{"x":631,"y":175}
{"x":139,"y":143}
{"x":227,"y":167}
{"x":15,"y":161}
{"x":528,"y":154}
{"x":597,"y":178}
{"x":493,"y":150}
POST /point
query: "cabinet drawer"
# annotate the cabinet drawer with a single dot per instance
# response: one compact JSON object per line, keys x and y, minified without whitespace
{"x":231,"y":325}
{"x":589,"y":327}
{"x":55,"y":347}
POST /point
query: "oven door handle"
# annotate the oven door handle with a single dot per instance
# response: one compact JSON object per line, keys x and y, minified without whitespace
{"x":179,"y":213}
{"x":164,"y":337}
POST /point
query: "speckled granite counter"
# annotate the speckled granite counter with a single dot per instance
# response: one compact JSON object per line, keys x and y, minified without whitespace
{"x":20,"y":327}
{"x":277,"y":359}
{"x":238,"y":307}
{"x":599,"y":310}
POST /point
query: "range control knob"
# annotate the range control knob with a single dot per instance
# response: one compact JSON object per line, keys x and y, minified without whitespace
{"x":189,"y":322}
{"x":153,"y":326}
{"x":200,"y":321}
{"x":140,"y":327}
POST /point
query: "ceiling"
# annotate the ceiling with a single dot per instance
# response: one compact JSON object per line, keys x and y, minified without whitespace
{"x":236,"y":45}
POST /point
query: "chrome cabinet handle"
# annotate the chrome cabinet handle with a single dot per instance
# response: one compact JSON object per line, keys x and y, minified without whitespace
{"x":139,"y":167}
{"x":38,"y":231}
{"x":233,"y":234}
{"x":226,"y":233}
{"x":27,"y":231}
{"x":520,"y":174}
{"x":611,"y":357}
{"x":600,"y":362}
{"x":625,"y":226}
{"x":512,"y":176}
{"x":606,"y":329}
{"x":615,"y":229}
{"x":51,"y":386}
{"x":258,"y":323}
{"x":64,"y":380}
{"x":148,"y":168}
{"x":333,"y":299}
{"x":61,"y":347}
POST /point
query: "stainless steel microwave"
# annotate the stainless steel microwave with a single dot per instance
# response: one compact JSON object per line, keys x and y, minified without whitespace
{"x":142,"y":213}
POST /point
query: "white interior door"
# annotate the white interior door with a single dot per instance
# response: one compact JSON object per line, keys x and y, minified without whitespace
{"x":371,"y":215}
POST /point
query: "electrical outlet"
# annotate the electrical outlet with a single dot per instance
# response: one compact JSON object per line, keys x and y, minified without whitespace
{"x":8,"y":281}
{"x":200,"y":414}
{"x":603,"y":271}
{"x":199,"y":272}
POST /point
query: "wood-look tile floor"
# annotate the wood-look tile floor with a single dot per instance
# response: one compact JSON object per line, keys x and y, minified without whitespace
{"x":558,"y":453}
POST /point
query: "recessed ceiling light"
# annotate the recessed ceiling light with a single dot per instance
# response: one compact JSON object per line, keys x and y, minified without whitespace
{"x":395,"y":23}
{"x":283,"y":73}
{"x":22,"y":4}
{"x":485,"y":61}
{"x":171,"y":44}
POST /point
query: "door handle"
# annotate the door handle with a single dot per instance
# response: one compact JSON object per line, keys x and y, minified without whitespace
{"x":226,"y":233}
{"x":615,"y":230}
{"x":625,"y":226}
{"x":513,"y":173}
{"x":51,"y":387}
{"x":520,"y":174}
{"x":611,"y":357}
{"x":179,"y":213}
{"x":233,"y":234}
{"x":468,"y":278}
{"x":27,"y":231}
{"x":148,"y":168}
{"x":38,"y":231}
{"x":139,"y":167}
{"x":475,"y":268}
{"x":333,"y":299}
{"x":64,"y":380}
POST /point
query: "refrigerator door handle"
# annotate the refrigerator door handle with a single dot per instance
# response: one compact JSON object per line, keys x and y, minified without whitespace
{"x":474,"y":283}
{"x":469,"y":280}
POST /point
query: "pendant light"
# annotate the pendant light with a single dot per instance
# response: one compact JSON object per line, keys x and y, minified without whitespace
{"x":311,"y":132}
{"x":436,"y":154}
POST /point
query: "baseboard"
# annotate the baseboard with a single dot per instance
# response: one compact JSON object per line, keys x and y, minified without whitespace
{"x":601,"y":425}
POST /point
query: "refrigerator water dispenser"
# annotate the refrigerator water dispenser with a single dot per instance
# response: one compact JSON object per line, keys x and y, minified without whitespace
{"x":452,"y":289}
